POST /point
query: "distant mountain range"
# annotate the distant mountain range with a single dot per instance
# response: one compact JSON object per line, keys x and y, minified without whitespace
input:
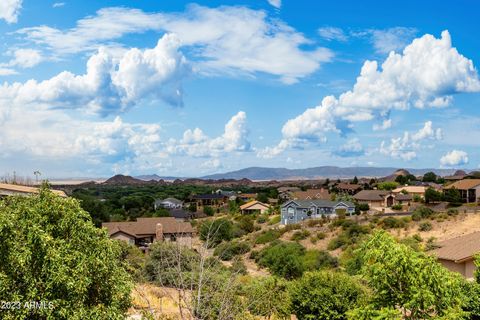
{"x":260,"y":173}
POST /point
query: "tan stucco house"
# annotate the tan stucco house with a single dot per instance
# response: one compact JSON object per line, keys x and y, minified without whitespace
{"x":458,"y":254}
{"x":254,"y":207}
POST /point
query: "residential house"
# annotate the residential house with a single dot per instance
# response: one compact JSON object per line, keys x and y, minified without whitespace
{"x":285,"y":193}
{"x":7,"y":189}
{"x":254,"y":207}
{"x":168,"y":203}
{"x":247,"y":196}
{"x":382,"y":198}
{"x":232,"y":195}
{"x":185,"y":215}
{"x":412,"y":190}
{"x":295,"y":211}
{"x":145,"y":231}
{"x":348,"y":188}
{"x":311,"y":194}
{"x":210,"y":199}
{"x":458,"y":254}
{"x":469,"y":189}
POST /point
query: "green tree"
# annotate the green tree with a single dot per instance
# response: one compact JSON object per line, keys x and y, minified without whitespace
{"x":216,"y":231}
{"x":325,"y":295}
{"x":355,"y":180}
{"x":268,"y":297}
{"x":283,"y":259}
{"x":401,"y":179}
{"x":452,"y":196}
{"x":388,"y":185}
{"x":51,"y":251}
{"x":410,"y":281}
{"x":431,"y":195}
{"x":429,"y":177}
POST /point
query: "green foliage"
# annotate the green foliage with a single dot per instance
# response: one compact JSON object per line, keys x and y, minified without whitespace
{"x":429,"y":177}
{"x":315,"y":260}
{"x":283,"y":259}
{"x":262,"y":197}
{"x":452,"y":196}
{"x":233,"y":207}
{"x":208,"y":211}
{"x":238,"y":267}
{"x":166,"y":263}
{"x":362,"y":207}
{"x":51,"y":251}
{"x":227,"y":250}
{"x":268,"y":297}
{"x":268,"y":236}
{"x":215,"y":231}
{"x":351,"y":233}
{"x":246,"y":223}
{"x":325,"y":295}
{"x":262,"y":218}
{"x":422,"y":213}
{"x":392,"y":223}
{"x":425,"y":226}
{"x":300,"y":235}
{"x":410,"y":281}
{"x":397,"y":206}
{"x":274,"y":220}
{"x":133,"y":259}
{"x":388,"y":185}
{"x":162,"y":212}
{"x":452,"y":212}
{"x":432,"y":195}
{"x":370,"y":313}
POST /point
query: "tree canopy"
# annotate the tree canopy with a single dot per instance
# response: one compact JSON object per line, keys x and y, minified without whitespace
{"x":52,"y":252}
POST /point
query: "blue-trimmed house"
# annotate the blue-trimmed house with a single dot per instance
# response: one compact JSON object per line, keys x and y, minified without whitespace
{"x":295,"y":211}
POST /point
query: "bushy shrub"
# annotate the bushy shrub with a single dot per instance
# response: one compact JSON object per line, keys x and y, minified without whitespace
{"x":262,"y":219}
{"x":425,"y":226}
{"x":397,"y":206}
{"x":315,"y":260}
{"x":216,"y":231}
{"x":422,"y":213}
{"x":300,"y":235}
{"x":238,"y":267}
{"x":351,"y":233}
{"x":208,"y":211}
{"x":314,"y":222}
{"x":325,"y":295}
{"x":363,"y":207}
{"x":227,"y":250}
{"x":452,"y":212}
{"x":283,"y":259}
{"x":268,"y":236}
{"x":391,"y":222}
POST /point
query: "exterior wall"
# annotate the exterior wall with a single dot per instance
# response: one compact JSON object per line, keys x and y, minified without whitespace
{"x":292,"y":214}
{"x":181,"y":239}
{"x":123,"y":237}
{"x":452,"y":266}
{"x":469,"y":269}
{"x":256,"y":207}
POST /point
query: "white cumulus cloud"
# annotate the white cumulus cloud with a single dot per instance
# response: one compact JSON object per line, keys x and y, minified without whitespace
{"x":232,"y":40}
{"x":196,"y":143}
{"x":276,"y":3}
{"x":454,"y":158}
{"x":10,"y":9}
{"x":426,"y":74}
{"x":112,"y":83}
{"x":406,"y":147}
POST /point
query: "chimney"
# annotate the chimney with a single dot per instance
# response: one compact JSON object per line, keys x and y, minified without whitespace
{"x":159,"y":232}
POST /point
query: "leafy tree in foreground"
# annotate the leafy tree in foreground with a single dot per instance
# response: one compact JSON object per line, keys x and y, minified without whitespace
{"x":51,"y":251}
{"x":268,"y":297}
{"x":409,"y":281}
{"x":325,"y":295}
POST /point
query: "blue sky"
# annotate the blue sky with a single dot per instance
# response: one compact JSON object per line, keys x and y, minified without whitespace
{"x":180,"y":88}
